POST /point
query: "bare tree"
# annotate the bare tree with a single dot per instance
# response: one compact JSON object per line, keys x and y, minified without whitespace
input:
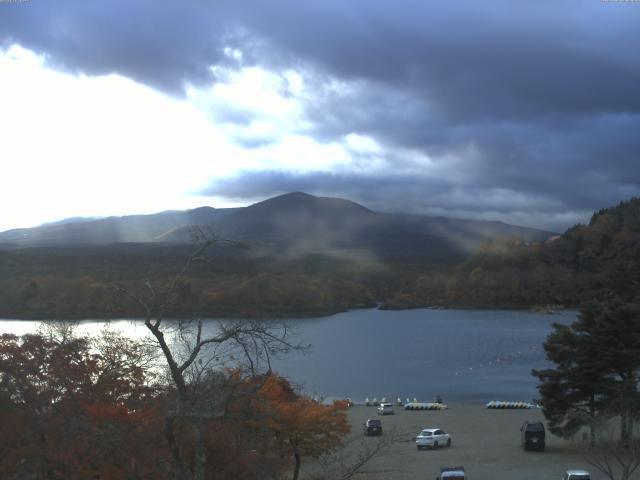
{"x":194,"y":355}
{"x":617,"y":461}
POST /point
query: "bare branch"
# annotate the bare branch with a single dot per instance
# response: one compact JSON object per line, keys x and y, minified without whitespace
{"x":616,"y":462}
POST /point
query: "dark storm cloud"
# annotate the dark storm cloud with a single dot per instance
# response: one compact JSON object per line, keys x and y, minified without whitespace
{"x":544,"y":95}
{"x":164,"y":44}
{"x":468,"y":59}
{"x":464,"y":58}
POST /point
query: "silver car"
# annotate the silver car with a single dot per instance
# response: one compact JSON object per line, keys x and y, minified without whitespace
{"x":433,"y":438}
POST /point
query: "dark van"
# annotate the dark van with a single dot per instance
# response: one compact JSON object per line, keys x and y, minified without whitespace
{"x":532,"y":436}
{"x":373,"y":427}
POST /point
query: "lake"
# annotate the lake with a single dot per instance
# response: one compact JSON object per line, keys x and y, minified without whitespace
{"x":463,"y":355}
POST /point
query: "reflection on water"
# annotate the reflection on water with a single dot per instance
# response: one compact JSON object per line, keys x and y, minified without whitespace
{"x":463,"y":355}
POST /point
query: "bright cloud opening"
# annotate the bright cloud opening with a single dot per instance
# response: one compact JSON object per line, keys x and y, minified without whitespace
{"x":99,"y":146}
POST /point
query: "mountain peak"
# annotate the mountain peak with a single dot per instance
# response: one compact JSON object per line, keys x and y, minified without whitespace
{"x":302,"y":200}
{"x":296,"y":195}
{"x":205,"y":208}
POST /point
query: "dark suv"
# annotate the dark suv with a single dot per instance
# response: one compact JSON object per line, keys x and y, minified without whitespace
{"x":373,"y":427}
{"x":532,"y":435}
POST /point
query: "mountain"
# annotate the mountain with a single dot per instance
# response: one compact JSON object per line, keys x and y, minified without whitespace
{"x":314,"y":256}
{"x":294,"y":223}
{"x":105,"y":231}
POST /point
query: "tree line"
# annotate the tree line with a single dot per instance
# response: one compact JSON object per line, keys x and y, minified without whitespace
{"x":595,"y":377}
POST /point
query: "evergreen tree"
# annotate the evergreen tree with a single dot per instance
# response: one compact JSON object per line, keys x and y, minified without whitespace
{"x":615,"y":329}
{"x":597,"y":369}
{"x":572,"y":392}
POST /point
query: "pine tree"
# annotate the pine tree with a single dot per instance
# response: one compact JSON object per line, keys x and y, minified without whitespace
{"x":597,"y":369}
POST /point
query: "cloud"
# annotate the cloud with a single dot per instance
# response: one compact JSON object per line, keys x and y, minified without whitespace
{"x":98,"y":146}
{"x":465,"y":59}
{"x":505,"y":109}
{"x":164,"y":44}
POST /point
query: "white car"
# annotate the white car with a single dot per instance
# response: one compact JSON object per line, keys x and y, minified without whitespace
{"x":576,"y":475}
{"x":385,"y":409}
{"x":432,"y":438}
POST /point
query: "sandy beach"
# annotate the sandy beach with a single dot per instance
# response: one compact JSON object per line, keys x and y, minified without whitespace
{"x":486,"y":442}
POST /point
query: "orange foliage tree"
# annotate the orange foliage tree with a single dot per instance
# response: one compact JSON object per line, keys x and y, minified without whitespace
{"x":75,"y":409}
{"x":68,"y":411}
{"x":300,"y":426}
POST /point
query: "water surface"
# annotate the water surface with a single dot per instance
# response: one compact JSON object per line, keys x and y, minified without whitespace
{"x":462,"y":355}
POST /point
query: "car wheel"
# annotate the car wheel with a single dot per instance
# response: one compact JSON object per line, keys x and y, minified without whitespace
{"x":435,"y":444}
{"x":419,"y":447}
{"x":448,"y":442}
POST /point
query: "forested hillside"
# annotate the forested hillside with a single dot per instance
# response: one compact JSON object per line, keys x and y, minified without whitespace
{"x":81,"y":282}
{"x":587,"y":261}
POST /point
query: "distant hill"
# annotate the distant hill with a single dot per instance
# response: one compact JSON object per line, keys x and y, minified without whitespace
{"x":290,"y":224}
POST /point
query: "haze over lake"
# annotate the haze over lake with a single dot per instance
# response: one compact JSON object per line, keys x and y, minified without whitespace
{"x":463,"y":355}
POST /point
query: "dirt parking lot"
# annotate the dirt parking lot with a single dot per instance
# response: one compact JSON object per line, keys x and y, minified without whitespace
{"x":486,"y":442}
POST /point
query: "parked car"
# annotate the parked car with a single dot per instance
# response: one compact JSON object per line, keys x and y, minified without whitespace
{"x":452,"y":473}
{"x":385,"y":409}
{"x":532,"y":436}
{"x":373,"y":427}
{"x":576,"y":475}
{"x":433,"y":438}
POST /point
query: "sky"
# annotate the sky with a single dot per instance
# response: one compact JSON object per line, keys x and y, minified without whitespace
{"x":523,"y":112}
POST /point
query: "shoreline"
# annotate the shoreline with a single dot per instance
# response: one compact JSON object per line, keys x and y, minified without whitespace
{"x":303,"y":314}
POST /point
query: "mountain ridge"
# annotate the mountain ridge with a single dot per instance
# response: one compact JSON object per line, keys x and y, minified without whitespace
{"x":293,"y":221}
{"x":391,"y":263}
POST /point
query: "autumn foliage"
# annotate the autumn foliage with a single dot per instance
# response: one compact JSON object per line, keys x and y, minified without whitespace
{"x":71,"y":408}
{"x":298,"y":425}
{"x":67,"y":411}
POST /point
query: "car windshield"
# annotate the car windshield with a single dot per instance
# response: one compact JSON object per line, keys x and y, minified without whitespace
{"x":536,"y":427}
{"x":425,"y":433}
{"x":373,"y":423}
